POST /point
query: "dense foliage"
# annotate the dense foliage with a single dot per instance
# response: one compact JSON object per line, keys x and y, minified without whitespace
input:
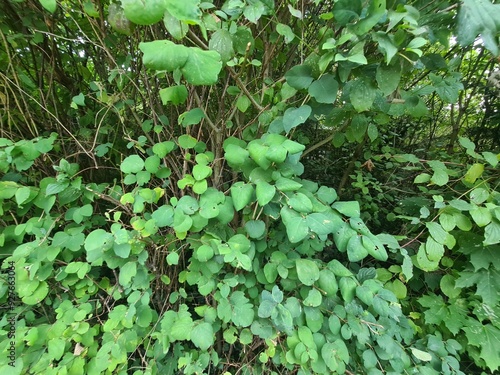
{"x":250,"y":187}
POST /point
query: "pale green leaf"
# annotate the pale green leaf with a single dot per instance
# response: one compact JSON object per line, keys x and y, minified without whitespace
{"x":307,"y":271}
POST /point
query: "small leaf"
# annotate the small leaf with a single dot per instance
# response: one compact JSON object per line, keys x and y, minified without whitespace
{"x":265,"y":192}
{"x":474,"y":172}
{"x":286,"y":32}
{"x":307,"y":271}
{"x":297,"y":229}
{"x":255,"y":228}
{"x":174,"y":94}
{"x":241,"y":194}
{"x":132,"y":164}
{"x":51,"y":6}
{"x":421,"y":355}
{"x":186,"y":141}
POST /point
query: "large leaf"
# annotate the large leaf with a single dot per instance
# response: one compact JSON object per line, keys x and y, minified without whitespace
{"x":388,"y":77}
{"x":299,"y":77}
{"x":376,"y":11}
{"x":185,"y":10}
{"x":487,"y":338}
{"x":144,"y":12}
{"x":222,"y":42}
{"x":324,"y":90}
{"x":487,"y":282}
{"x":362,"y":95}
{"x":198,"y":67}
{"x":479,"y":17}
{"x":202,"y":336}
{"x":295,"y":116}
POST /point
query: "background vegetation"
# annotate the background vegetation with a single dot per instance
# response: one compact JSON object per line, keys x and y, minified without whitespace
{"x":250,"y":186}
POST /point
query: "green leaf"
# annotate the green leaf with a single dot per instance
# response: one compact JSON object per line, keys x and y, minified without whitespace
{"x":376,"y":11}
{"x":253,"y":11}
{"x":56,"y":347}
{"x":265,"y":192}
{"x":176,"y":28}
{"x":386,"y":44}
{"x":286,"y":32}
{"x":299,"y":77}
{"x":241,"y":194}
{"x":349,"y":209}
{"x":201,"y":172}
{"x":174,"y":94}
{"x":440,"y":176}
{"x":132,"y":164}
{"x":487,"y":283}
{"x":144,"y":12}
{"x":242,"y":311}
{"x":191,"y":117}
{"x":199,"y":67}
{"x":362,"y":95}
{"x":235,"y":155}
{"x":172,"y":259}
{"x":323,"y":224}
{"x":487,"y":338}
{"x":186,"y":141}
{"x":479,"y":17}
{"x":491,"y":158}
{"x":257,"y":151}
{"x":127,"y":271}
{"x":79,"y":100}
{"x":324,"y":90}
{"x":255,"y":228}
{"x":204,"y":253}
{"x":202,"y":336}
{"x":474,"y":172}
{"x":96,"y":243}
{"x":243,"y":103}
{"x":297,"y":229}
{"x":421,"y":355}
{"x":388,"y":78}
{"x":286,"y":184}
{"x":222,"y":42}
{"x":328,"y":353}
{"x":186,"y":10}
{"x":295,"y":116}
{"x":300,"y":203}
{"x":307,"y":271}
{"x":492,"y":233}
{"x":161,"y":149}
{"x":437,"y":232}
{"x":480,"y":215}
{"x":35,"y":297}
{"x":313,"y":298}
{"x":347,"y":286}
{"x":51,"y":6}
{"x":182,"y":325}
{"x":355,"y":249}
